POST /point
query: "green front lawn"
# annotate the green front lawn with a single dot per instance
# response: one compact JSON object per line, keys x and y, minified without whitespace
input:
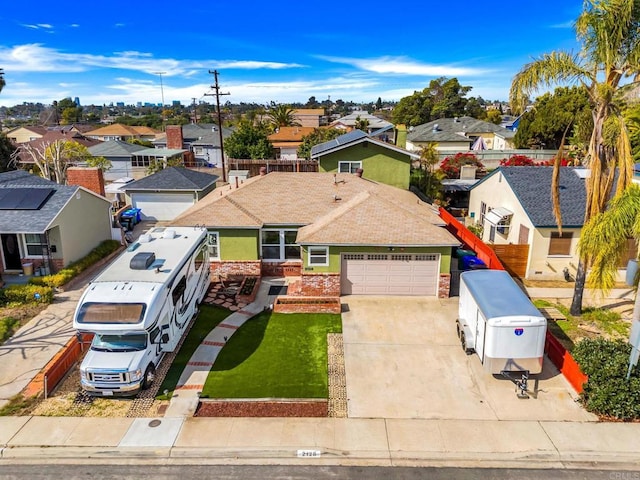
{"x":275,"y":355}
{"x":208,"y":318}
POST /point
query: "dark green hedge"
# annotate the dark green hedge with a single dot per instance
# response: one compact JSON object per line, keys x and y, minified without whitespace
{"x":607,"y":392}
{"x":74,"y":269}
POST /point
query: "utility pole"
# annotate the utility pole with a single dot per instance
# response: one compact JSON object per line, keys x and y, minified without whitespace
{"x":195,"y":110}
{"x":216,"y":88}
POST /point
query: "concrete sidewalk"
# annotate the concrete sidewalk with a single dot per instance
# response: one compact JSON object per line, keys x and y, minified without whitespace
{"x":322,"y":441}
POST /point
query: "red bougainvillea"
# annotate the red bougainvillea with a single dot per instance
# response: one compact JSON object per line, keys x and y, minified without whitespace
{"x":450,"y":166}
{"x":517,"y":161}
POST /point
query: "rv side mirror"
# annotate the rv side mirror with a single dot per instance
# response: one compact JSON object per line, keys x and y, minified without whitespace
{"x":164,"y":338}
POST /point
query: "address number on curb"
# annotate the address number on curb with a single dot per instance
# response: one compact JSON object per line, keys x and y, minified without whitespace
{"x":309,"y":453}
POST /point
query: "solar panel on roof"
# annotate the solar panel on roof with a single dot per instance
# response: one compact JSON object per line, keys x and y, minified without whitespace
{"x":24,"y":198}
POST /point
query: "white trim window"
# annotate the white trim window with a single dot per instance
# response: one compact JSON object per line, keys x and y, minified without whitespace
{"x":349,"y":167}
{"x":318,"y":256}
{"x":213,"y":242}
{"x":35,"y":244}
{"x":278,"y":245}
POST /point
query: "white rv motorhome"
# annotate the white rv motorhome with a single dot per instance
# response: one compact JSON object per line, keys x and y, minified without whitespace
{"x":498,"y":321}
{"x":139,"y":307}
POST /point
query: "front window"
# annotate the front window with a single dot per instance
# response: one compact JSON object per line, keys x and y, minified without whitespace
{"x":97,"y":312}
{"x":213,"y":242}
{"x":119,"y":343}
{"x":560,"y":245}
{"x":36,"y":244}
{"x":318,"y":256}
{"x":349,"y":167}
{"x":280,"y":245}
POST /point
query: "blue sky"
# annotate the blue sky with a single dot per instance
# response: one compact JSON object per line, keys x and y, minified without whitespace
{"x":283,"y":51}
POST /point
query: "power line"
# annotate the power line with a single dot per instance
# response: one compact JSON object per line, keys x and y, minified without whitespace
{"x":216,"y":89}
{"x":161,"y":86}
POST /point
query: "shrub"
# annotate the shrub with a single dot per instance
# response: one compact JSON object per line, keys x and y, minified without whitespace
{"x":75,"y":268}
{"x":517,"y":161}
{"x":7,"y":327}
{"x":22,"y":294}
{"x":450,"y":166}
{"x":607,"y":392}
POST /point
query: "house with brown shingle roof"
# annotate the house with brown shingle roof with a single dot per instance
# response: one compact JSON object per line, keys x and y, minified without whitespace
{"x":337,"y":234}
{"x":118,"y":131}
{"x":286,"y":141}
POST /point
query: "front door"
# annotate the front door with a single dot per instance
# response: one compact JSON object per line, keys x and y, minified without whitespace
{"x":11,"y":252}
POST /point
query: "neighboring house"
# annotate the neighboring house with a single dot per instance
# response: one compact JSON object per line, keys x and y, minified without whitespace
{"x":46,"y":224}
{"x":340,"y":234}
{"x":286,"y":141}
{"x":459,"y":134}
{"x":117,"y":131}
{"x":25,"y":134}
{"x":40,"y":144}
{"x":376,"y":126}
{"x":514,"y":206}
{"x":130,"y":160}
{"x":308,"y":117}
{"x":169,"y":192}
{"x":636,"y":173}
{"x":378,"y":161}
{"x":201,"y":139}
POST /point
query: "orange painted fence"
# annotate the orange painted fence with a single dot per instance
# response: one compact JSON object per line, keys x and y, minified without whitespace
{"x":484,"y":253}
{"x":57,"y":368}
{"x":558,"y":355}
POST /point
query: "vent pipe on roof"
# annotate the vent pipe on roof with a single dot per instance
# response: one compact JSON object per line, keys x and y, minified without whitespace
{"x":263,"y":170}
{"x":359,"y":172}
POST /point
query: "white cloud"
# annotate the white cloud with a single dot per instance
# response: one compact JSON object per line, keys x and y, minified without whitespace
{"x":38,"y":58}
{"x":564,"y":25}
{"x":403,"y":66}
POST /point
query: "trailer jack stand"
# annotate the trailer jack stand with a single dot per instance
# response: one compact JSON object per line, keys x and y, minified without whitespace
{"x":520,"y":383}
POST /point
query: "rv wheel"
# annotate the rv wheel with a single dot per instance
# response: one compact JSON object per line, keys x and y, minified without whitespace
{"x":149,"y":375}
{"x":458,"y":332}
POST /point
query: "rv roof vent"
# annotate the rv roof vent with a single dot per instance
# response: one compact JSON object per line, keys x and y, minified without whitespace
{"x":169,"y":233}
{"x":142,"y":260}
{"x":145,"y":238}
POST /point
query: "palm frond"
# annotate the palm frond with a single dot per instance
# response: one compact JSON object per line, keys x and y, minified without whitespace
{"x":551,"y":69}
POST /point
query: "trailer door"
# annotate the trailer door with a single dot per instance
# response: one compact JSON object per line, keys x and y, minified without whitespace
{"x":481,"y":331}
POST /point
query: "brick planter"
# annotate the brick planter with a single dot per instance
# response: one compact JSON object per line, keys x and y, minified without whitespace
{"x":296,"y":304}
{"x":248,"y":297}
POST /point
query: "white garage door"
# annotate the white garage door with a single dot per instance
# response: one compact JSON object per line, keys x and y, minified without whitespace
{"x":161,"y":206}
{"x":391,"y":274}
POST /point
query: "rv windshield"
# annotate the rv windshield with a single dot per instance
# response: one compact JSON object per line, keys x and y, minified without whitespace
{"x":119,"y":343}
{"x":98,"y":312}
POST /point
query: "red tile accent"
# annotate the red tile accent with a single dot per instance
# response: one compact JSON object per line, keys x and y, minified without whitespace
{"x":199,"y":364}
{"x":189,"y":387}
{"x":213,"y":344}
{"x":224,"y":325}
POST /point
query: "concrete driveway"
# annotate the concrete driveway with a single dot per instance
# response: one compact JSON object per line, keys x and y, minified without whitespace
{"x":403,"y":360}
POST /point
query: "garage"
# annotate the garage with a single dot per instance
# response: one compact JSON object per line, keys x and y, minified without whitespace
{"x":161,"y":206}
{"x":390,"y":274}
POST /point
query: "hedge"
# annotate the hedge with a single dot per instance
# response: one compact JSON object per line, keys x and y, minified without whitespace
{"x":21,"y":294}
{"x":608,"y":393}
{"x":75,"y":268}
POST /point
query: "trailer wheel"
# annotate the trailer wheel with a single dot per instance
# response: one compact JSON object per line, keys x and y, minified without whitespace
{"x":458,"y":331}
{"x":149,"y":375}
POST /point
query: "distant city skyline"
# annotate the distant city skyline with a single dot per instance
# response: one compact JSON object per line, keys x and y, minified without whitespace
{"x":285,"y":52}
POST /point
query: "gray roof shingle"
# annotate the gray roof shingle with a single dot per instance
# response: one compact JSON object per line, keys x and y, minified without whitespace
{"x":33,"y":221}
{"x":532,"y":187}
{"x":174,"y":178}
{"x":468,"y":125}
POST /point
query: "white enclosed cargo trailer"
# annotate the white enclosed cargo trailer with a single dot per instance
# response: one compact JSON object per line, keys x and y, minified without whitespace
{"x":139,"y":307}
{"x":497,"y":320}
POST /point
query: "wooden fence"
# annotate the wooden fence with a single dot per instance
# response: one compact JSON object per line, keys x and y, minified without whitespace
{"x":253,"y":166}
{"x":513,"y":258}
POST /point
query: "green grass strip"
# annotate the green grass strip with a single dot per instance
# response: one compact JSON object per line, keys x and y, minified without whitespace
{"x":275,"y":355}
{"x":208,"y":318}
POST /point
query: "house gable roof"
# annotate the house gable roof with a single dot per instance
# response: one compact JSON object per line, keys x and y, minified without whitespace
{"x":116,"y":148}
{"x":532,"y":188}
{"x":173,"y":178}
{"x":40,"y":220}
{"x":354,"y":137}
{"x":427,"y":132}
{"x":301,"y":199}
{"x":121,"y":130}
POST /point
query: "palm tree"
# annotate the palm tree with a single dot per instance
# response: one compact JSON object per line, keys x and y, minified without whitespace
{"x":2,"y":82}
{"x":604,"y":236}
{"x":281,"y":115}
{"x":609,"y":34}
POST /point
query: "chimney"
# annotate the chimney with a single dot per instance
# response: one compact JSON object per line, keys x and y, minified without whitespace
{"x":90,"y":178}
{"x":174,"y":136}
